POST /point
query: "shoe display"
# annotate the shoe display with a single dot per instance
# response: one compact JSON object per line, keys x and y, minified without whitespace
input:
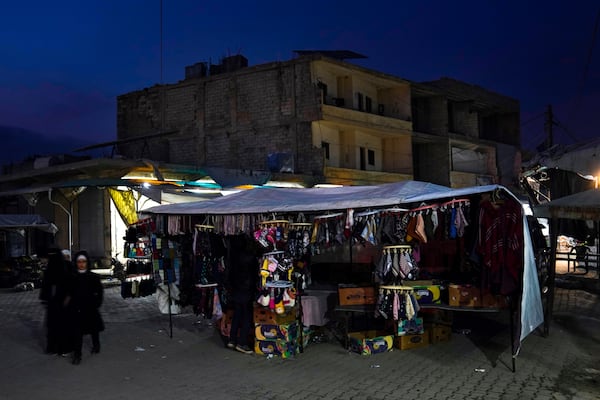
{"x":244,"y":349}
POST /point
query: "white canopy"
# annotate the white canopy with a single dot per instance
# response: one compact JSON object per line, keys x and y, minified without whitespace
{"x":269,"y":200}
{"x":583,"y":206}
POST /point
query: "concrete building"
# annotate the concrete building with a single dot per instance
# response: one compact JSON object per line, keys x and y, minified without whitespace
{"x":332,"y":121}
{"x":465,"y":135}
{"x":323,"y":120}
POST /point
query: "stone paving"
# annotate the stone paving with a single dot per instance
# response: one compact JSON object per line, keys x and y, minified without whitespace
{"x":139,"y":360}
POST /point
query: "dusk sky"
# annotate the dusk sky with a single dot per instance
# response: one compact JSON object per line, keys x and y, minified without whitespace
{"x":63,"y":63}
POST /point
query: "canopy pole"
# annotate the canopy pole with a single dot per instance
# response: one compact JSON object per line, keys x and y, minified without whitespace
{"x":551,"y":275}
{"x":69,"y":214}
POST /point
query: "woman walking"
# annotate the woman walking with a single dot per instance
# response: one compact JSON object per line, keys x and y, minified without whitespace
{"x":53,"y":294}
{"x":83,"y":301}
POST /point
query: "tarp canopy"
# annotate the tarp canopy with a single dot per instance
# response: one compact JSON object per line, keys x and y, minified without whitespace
{"x":263,"y":200}
{"x":269,"y":200}
{"x":26,"y":221}
{"x":580,"y":206}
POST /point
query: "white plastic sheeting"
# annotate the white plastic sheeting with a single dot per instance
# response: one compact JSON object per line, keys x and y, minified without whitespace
{"x":269,"y":200}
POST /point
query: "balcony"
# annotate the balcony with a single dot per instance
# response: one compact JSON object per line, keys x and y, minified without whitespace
{"x":364,"y":119}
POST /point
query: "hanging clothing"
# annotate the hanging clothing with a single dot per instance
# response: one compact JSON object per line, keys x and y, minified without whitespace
{"x":500,"y":245}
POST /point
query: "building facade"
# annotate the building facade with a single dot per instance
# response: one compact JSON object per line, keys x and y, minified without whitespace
{"x":465,"y":135}
{"x":320,"y":120}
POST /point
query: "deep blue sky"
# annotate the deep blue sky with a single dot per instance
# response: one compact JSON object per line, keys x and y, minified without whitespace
{"x":62,"y":63}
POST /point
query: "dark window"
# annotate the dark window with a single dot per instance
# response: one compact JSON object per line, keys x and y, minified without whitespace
{"x":368,"y":104}
{"x":361,"y":101}
{"x":451,"y":127}
{"x":363,"y":158}
{"x":325,"y":145}
{"x":371,"y":157}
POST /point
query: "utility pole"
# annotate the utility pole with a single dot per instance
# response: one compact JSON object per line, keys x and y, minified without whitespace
{"x":549,"y":125}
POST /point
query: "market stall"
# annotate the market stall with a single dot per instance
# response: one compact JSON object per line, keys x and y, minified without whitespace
{"x":472,"y":244}
{"x":583,"y":206}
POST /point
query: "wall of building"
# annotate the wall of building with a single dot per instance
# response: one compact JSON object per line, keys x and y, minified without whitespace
{"x":503,"y":128}
{"x":397,"y":155}
{"x":463,"y":119}
{"x":432,"y":162}
{"x":430,"y":115}
{"x":372,"y":143}
{"x":396,"y":102}
{"x":216,"y":118}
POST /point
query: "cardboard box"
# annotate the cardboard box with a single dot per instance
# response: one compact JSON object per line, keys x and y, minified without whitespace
{"x":286,"y":333}
{"x":370,"y":342}
{"x":264,"y":315}
{"x":278,"y":348}
{"x":408,"y":342}
{"x":464,"y":296}
{"x":439,"y":333}
{"x":428,"y":294}
{"x":357,"y":296}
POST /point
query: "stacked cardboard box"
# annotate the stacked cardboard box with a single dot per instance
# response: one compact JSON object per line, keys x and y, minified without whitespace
{"x":275,"y":334}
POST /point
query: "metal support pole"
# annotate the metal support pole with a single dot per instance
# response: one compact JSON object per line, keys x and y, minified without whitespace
{"x":512,"y":334}
{"x":69,"y":214}
{"x":551,"y":275}
{"x":170,"y":313}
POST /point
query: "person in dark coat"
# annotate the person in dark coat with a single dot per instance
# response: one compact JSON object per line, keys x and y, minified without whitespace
{"x":83,"y":301}
{"x":243,"y":276}
{"x":53,"y":293}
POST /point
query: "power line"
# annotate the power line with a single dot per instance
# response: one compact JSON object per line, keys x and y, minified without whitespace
{"x":533,"y":118}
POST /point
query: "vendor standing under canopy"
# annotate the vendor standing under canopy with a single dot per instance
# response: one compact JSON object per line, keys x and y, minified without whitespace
{"x":242,"y":280}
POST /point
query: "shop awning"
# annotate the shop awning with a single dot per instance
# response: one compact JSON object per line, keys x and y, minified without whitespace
{"x":264,"y":200}
{"x":580,"y":206}
{"x":18,"y":221}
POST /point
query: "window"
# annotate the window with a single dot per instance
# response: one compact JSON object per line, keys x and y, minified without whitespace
{"x":325,"y":146}
{"x":361,"y":100}
{"x":371,"y":157}
{"x":363,"y":158}
{"x":368,"y":104}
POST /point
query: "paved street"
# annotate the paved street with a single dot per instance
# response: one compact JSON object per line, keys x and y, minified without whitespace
{"x":194,"y":364}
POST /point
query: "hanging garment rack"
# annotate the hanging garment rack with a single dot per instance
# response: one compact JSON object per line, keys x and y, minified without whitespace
{"x":205,"y":228}
{"x":276,"y":222}
{"x":366,"y":213}
{"x":395,"y":210}
{"x":279,"y":284}
{"x":425,"y":207}
{"x":398,"y":246}
{"x":274,"y":253}
{"x":326,"y":216}
{"x":399,"y":288}
{"x":208,"y":285}
{"x":452,"y":203}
